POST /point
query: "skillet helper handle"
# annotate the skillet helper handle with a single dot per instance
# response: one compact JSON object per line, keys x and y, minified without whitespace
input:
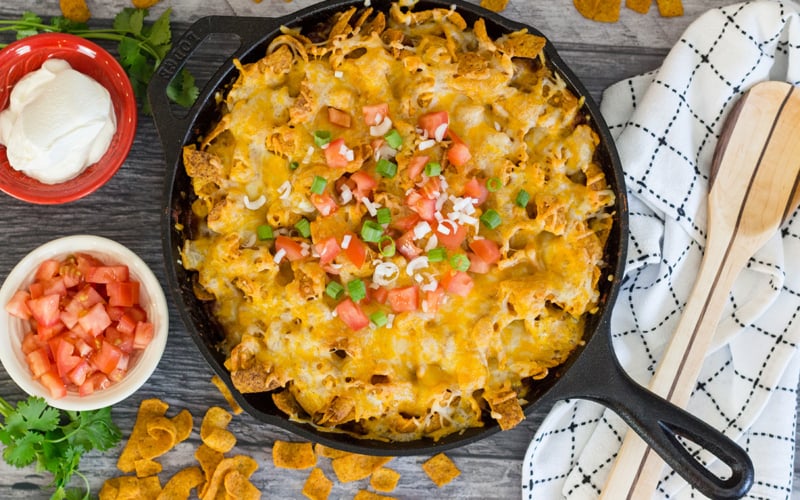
{"x":598,"y":376}
{"x":249,"y":30}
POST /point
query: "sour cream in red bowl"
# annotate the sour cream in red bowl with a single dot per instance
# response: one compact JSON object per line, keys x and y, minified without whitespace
{"x":67,"y":118}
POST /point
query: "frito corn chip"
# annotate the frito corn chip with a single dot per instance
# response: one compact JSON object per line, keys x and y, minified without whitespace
{"x":368,"y":495}
{"x":494,"y":5}
{"x":180,"y":485}
{"x":160,"y":438}
{"x":213,"y":432}
{"x":146,"y":467}
{"x":144,"y":4}
{"x":440,"y":469}
{"x":640,"y":6}
{"x":208,"y":459}
{"x":128,"y":488}
{"x":353,"y":467}
{"x":75,"y":10}
{"x":293,"y":455}
{"x":606,"y":11}
{"x":670,"y":8}
{"x":149,"y":487}
{"x":241,"y":463}
{"x":226,"y":393}
{"x":328,"y":452}
{"x":148,"y":409}
{"x":237,"y":486}
{"x":522,"y":44}
{"x":109,"y":490}
{"x":317,"y":486}
{"x":384,"y":479}
{"x":183,"y":423}
{"x":220,"y":440}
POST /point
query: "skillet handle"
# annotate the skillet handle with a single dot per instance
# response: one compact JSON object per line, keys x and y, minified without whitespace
{"x":173,"y":129}
{"x":598,"y":376}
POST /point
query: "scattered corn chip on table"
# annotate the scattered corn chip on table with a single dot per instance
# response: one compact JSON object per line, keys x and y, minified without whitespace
{"x":128,"y":209}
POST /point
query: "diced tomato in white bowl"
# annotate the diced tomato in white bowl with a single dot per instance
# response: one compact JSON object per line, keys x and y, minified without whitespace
{"x":86,"y":322}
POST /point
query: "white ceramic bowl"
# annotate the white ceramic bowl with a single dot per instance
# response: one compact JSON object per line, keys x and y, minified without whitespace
{"x":151,"y":299}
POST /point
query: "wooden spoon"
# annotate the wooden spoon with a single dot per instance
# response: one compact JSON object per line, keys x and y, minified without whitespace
{"x":753,"y":189}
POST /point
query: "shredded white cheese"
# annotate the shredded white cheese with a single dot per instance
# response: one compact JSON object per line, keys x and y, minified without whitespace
{"x":279,"y":255}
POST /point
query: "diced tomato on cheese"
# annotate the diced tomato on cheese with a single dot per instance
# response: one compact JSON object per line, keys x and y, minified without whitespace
{"x":476,"y":189}
{"x":328,"y":249}
{"x":450,"y":234}
{"x":291,"y":248}
{"x":424,"y":207}
{"x":356,"y":251}
{"x":458,"y":283}
{"x":336,"y":153}
{"x":339,"y":117}
{"x":433,"y":298}
{"x":352,"y":315}
{"x":416,"y":165}
{"x":324,"y":203}
{"x":431,"y":123}
{"x":375,"y":113}
{"x":459,"y":154}
{"x":403,"y":299}
{"x":364,"y":182}
{"x":486,"y":249}
{"x":406,"y":247}
{"x":477,"y":265}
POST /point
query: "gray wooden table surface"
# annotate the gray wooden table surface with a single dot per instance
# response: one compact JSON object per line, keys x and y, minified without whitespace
{"x":127,"y":209}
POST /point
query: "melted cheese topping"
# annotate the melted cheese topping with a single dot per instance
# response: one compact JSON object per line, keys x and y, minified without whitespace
{"x":452,"y":359}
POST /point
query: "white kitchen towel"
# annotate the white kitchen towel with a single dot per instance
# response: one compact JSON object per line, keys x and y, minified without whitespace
{"x":666,"y":125}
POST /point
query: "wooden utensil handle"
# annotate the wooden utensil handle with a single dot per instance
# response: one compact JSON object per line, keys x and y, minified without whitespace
{"x":753,"y":186}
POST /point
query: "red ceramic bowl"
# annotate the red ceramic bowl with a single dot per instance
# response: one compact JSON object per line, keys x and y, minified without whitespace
{"x":23,"y":56}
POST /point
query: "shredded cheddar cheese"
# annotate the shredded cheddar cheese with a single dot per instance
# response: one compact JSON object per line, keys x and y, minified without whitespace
{"x":441,"y":312}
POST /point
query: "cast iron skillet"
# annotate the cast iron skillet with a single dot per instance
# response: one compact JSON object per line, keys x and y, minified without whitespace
{"x":592,"y":372}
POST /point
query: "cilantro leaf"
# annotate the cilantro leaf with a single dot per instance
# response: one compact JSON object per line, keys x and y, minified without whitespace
{"x":33,"y":431}
{"x":160,"y":33}
{"x":30,"y":17}
{"x":64,"y":25}
{"x":95,"y":430}
{"x":23,"y":451}
{"x":38,"y":415}
{"x":182,"y":89}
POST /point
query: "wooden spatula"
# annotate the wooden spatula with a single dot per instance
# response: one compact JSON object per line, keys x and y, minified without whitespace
{"x":753,"y":189}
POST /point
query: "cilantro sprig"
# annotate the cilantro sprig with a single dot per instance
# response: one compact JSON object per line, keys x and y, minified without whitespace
{"x":141,"y":48}
{"x":55,"y":440}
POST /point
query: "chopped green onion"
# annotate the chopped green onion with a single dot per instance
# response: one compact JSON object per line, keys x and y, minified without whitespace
{"x":386,"y":168}
{"x":303,"y":227}
{"x":387,"y":246}
{"x":384,"y":215}
{"x":334,"y":290}
{"x":437,"y":254}
{"x":293,"y":165}
{"x":459,"y":262}
{"x":393,"y":139}
{"x":322,"y":137}
{"x":318,"y":184}
{"x":493,"y":184}
{"x":264,"y":232}
{"x":491,"y":218}
{"x":432,"y":169}
{"x":371,"y":231}
{"x":379,"y":318}
{"x":522,"y":198}
{"x":356,"y":289}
